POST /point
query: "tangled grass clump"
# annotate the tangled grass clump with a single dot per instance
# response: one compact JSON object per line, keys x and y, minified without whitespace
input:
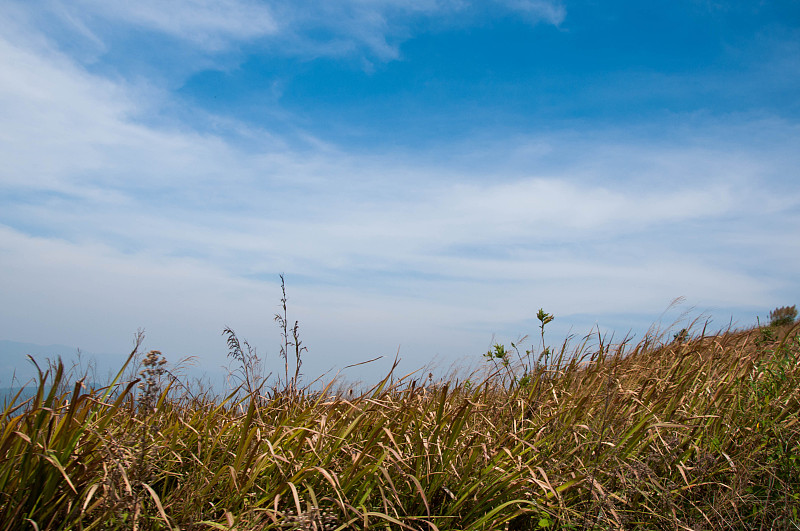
{"x":697,"y":433}
{"x":783,"y":316}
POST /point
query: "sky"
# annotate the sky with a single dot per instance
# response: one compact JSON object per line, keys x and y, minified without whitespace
{"x":426,"y":174}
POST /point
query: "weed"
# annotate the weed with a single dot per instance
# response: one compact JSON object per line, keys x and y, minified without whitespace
{"x":783,"y":316}
{"x":250,"y":372}
{"x":291,"y":340}
{"x":694,"y":434}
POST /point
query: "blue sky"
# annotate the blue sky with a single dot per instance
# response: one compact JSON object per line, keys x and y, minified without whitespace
{"x":427,"y":174}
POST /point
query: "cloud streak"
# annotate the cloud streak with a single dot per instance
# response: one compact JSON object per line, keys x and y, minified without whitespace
{"x":111,"y":220}
{"x":202,"y":22}
{"x":310,"y":29}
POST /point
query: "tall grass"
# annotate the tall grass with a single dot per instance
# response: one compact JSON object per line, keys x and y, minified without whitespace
{"x":696,"y":433}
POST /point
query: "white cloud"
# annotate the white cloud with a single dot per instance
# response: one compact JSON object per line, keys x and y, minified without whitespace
{"x":207,"y":23}
{"x":121,"y":224}
{"x":55,"y":115}
{"x":538,"y":10}
{"x":69,"y":131}
{"x":307,"y":28}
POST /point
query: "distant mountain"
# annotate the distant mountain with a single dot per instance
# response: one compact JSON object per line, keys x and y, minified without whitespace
{"x":29,"y":391}
{"x":16,"y":370}
{"x":15,"y":365}
{"x":7,"y":393}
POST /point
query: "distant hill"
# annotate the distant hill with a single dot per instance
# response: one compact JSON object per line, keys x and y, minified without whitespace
{"x":15,"y":365}
{"x":8,"y":393}
{"x":16,"y":370}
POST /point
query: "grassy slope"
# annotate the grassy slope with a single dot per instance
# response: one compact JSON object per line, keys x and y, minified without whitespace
{"x":694,"y":434}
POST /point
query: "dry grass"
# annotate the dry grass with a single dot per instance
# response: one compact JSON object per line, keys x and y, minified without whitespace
{"x":697,"y":433}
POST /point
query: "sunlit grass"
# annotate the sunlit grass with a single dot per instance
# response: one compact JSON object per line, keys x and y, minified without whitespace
{"x":698,"y":432}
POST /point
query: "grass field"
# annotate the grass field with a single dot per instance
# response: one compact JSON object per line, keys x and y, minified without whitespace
{"x":693,"y":431}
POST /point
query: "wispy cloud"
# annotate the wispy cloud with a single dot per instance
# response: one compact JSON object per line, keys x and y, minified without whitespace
{"x":110,"y":220}
{"x":538,"y":10}
{"x":343,"y":28}
{"x":210,"y":24}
